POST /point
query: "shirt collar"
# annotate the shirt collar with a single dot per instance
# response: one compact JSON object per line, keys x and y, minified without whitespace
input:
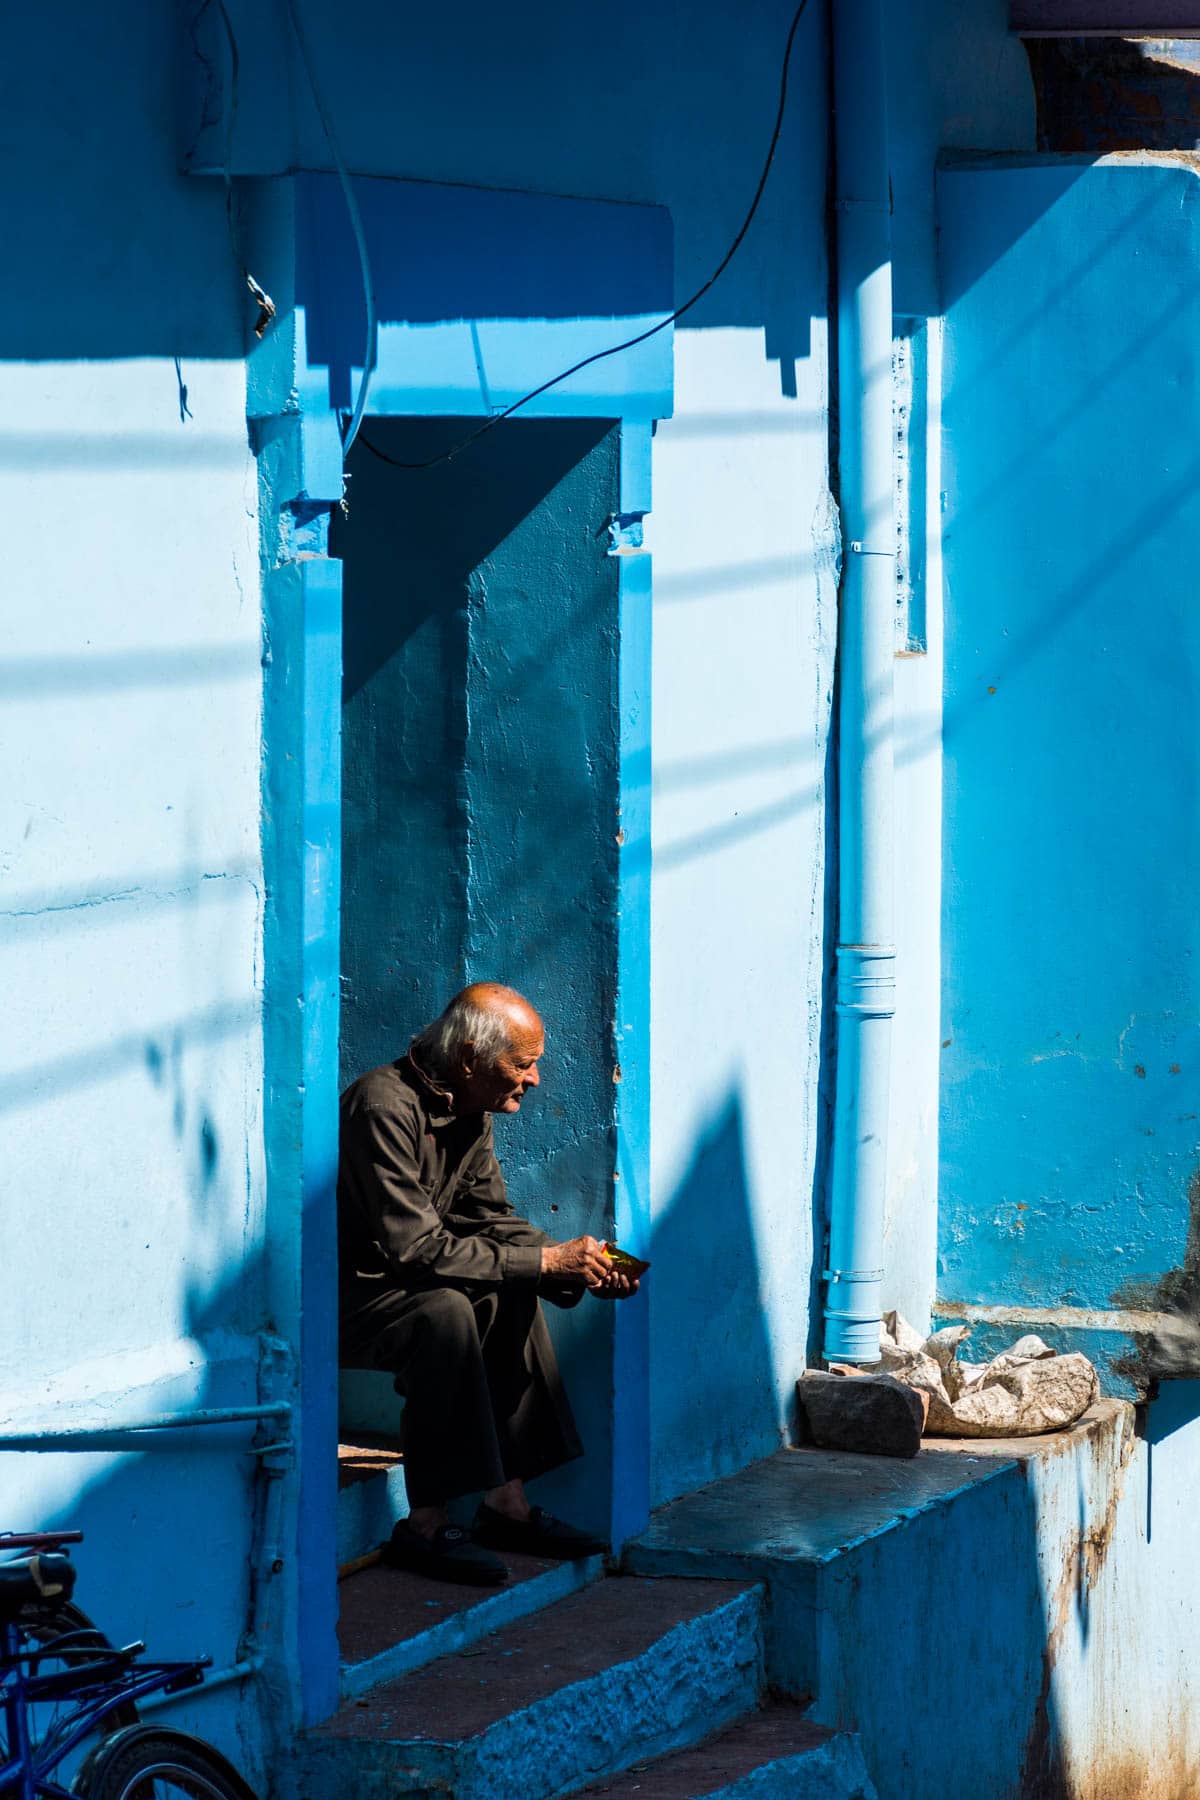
{"x":438,"y":1102}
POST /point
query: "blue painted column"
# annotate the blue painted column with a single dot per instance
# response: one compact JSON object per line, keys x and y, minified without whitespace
{"x":631,"y":1178}
{"x":299,"y":463}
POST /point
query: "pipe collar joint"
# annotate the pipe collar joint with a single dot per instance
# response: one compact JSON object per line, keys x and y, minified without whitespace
{"x":866,"y":980}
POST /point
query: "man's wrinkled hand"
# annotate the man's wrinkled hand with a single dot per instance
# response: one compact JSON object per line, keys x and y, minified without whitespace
{"x":581,"y":1260}
{"x":617,"y":1285}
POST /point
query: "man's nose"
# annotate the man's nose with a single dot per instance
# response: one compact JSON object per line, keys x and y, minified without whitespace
{"x":533,"y":1079}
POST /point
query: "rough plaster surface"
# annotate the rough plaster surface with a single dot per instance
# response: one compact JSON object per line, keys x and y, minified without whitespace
{"x":1069,"y":1138}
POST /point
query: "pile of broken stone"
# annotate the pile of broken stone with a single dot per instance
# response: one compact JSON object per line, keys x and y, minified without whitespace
{"x":919,"y":1387}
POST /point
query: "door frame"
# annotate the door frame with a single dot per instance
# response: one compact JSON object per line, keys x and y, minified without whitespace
{"x":294,"y":417}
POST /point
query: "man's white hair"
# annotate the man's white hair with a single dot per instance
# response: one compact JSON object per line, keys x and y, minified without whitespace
{"x":438,"y":1050}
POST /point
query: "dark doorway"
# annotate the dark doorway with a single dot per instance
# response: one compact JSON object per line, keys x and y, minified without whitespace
{"x":481,"y":790}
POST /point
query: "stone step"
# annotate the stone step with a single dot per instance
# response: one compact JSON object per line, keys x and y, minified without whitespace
{"x":627,"y":1670}
{"x":817,"y":1527}
{"x":391,"y":1622}
{"x":774,"y":1754}
{"x":371,"y":1494}
{"x":871,"y":1565}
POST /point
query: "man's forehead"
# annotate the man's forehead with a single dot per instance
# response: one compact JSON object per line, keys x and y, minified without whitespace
{"x":528,"y":1037}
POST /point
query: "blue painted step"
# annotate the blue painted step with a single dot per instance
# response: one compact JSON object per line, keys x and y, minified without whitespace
{"x":775,"y":1754}
{"x":625,"y":1671}
{"x":371,"y":1494}
{"x":391,"y":1622}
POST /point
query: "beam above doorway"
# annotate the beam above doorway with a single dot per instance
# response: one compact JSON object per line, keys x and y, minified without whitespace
{"x":1106,"y":18}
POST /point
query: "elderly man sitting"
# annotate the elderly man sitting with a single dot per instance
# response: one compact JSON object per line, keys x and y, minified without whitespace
{"x":440,"y":1283}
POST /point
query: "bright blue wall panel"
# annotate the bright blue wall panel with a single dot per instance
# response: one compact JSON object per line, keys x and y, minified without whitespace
{"x":1072,"y":857}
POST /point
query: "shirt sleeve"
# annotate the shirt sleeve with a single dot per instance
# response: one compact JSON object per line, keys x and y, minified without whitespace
{"x":382,"y":1149}
{"x":481,"y":1204}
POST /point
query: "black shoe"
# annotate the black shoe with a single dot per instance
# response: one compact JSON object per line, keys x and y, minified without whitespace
{"x":541,"y":1534}
{"x":449,"y":1555}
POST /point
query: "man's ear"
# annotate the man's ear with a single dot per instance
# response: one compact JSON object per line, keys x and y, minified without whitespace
{"x":466,"y":1061}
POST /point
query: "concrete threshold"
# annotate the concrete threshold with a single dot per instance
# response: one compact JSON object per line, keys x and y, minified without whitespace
{"x":393,"y":1622}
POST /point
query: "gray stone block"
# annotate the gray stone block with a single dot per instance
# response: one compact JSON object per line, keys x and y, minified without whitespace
{"x":866,"y":1413}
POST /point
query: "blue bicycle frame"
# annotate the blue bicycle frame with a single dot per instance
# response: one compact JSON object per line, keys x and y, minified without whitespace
{"x":100,"y":1685}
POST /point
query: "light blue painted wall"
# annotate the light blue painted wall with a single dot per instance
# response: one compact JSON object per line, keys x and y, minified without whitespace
{"x":1069,"y":1137}
{"x":744,"y":546}
{"x":133,"y":875}
{"x":131,"y":939}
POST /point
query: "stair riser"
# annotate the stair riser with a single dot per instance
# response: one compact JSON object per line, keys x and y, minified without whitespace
{"x":366,"y":1512}
{"x":835,"y":1771}
{"x":700,"y":1676}
{"x":793,"y":1614}
{"x":451,"y":1636}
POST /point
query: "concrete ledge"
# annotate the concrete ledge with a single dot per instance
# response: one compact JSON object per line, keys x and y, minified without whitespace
{"x":1021,"y":1571}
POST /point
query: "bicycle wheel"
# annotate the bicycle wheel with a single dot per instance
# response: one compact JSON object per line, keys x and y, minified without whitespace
{"x":152,"y":1762}
{"x":57,"y":1636}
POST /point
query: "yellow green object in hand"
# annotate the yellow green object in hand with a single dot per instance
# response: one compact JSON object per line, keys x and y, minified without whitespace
{"x":628,"y":1265}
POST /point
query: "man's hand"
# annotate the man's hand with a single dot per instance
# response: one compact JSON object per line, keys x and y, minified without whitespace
{"x":617,"y":1285}
{"x":581,"y":1259}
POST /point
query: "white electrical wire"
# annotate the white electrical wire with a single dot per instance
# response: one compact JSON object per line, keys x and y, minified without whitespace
{"x":356,"y":224}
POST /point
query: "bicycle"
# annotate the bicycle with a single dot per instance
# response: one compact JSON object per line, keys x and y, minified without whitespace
{"x":62,"y":1682}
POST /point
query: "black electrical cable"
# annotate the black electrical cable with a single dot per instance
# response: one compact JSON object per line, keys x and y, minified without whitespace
{"x":629,"y":343}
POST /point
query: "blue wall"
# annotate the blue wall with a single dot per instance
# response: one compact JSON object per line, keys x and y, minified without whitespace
{"x":1069,"y":1135}
{"x":132,"y":1168}
{"x":744,"y":540}
{"x":137,"y":898}
{"x":955,"y":78}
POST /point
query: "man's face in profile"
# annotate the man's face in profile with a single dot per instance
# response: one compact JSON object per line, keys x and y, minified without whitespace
{"x":501,"y":1087}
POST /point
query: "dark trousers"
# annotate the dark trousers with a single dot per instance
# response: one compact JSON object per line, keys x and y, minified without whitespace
{"x":484,"y":1403}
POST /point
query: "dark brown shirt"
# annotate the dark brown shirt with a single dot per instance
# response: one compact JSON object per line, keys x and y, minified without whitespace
{"x":420,"y":1194}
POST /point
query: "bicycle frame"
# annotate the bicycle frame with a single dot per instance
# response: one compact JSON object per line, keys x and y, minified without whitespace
{"x":100,"y":1686}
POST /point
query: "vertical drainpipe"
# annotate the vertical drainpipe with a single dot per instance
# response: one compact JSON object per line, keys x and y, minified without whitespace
{"x":865,"y":954}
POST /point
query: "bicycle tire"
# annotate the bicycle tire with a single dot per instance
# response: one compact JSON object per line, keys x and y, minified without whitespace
{"x":139,"y":1762}
{"x":46,"y":1620}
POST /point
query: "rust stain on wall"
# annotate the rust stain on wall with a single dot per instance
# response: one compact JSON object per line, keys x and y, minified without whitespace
{"x":1053,"y":1770}
{"x":1173,"y":1351}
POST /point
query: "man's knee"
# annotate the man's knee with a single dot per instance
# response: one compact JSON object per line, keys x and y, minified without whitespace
{"x":445,"y":1316}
